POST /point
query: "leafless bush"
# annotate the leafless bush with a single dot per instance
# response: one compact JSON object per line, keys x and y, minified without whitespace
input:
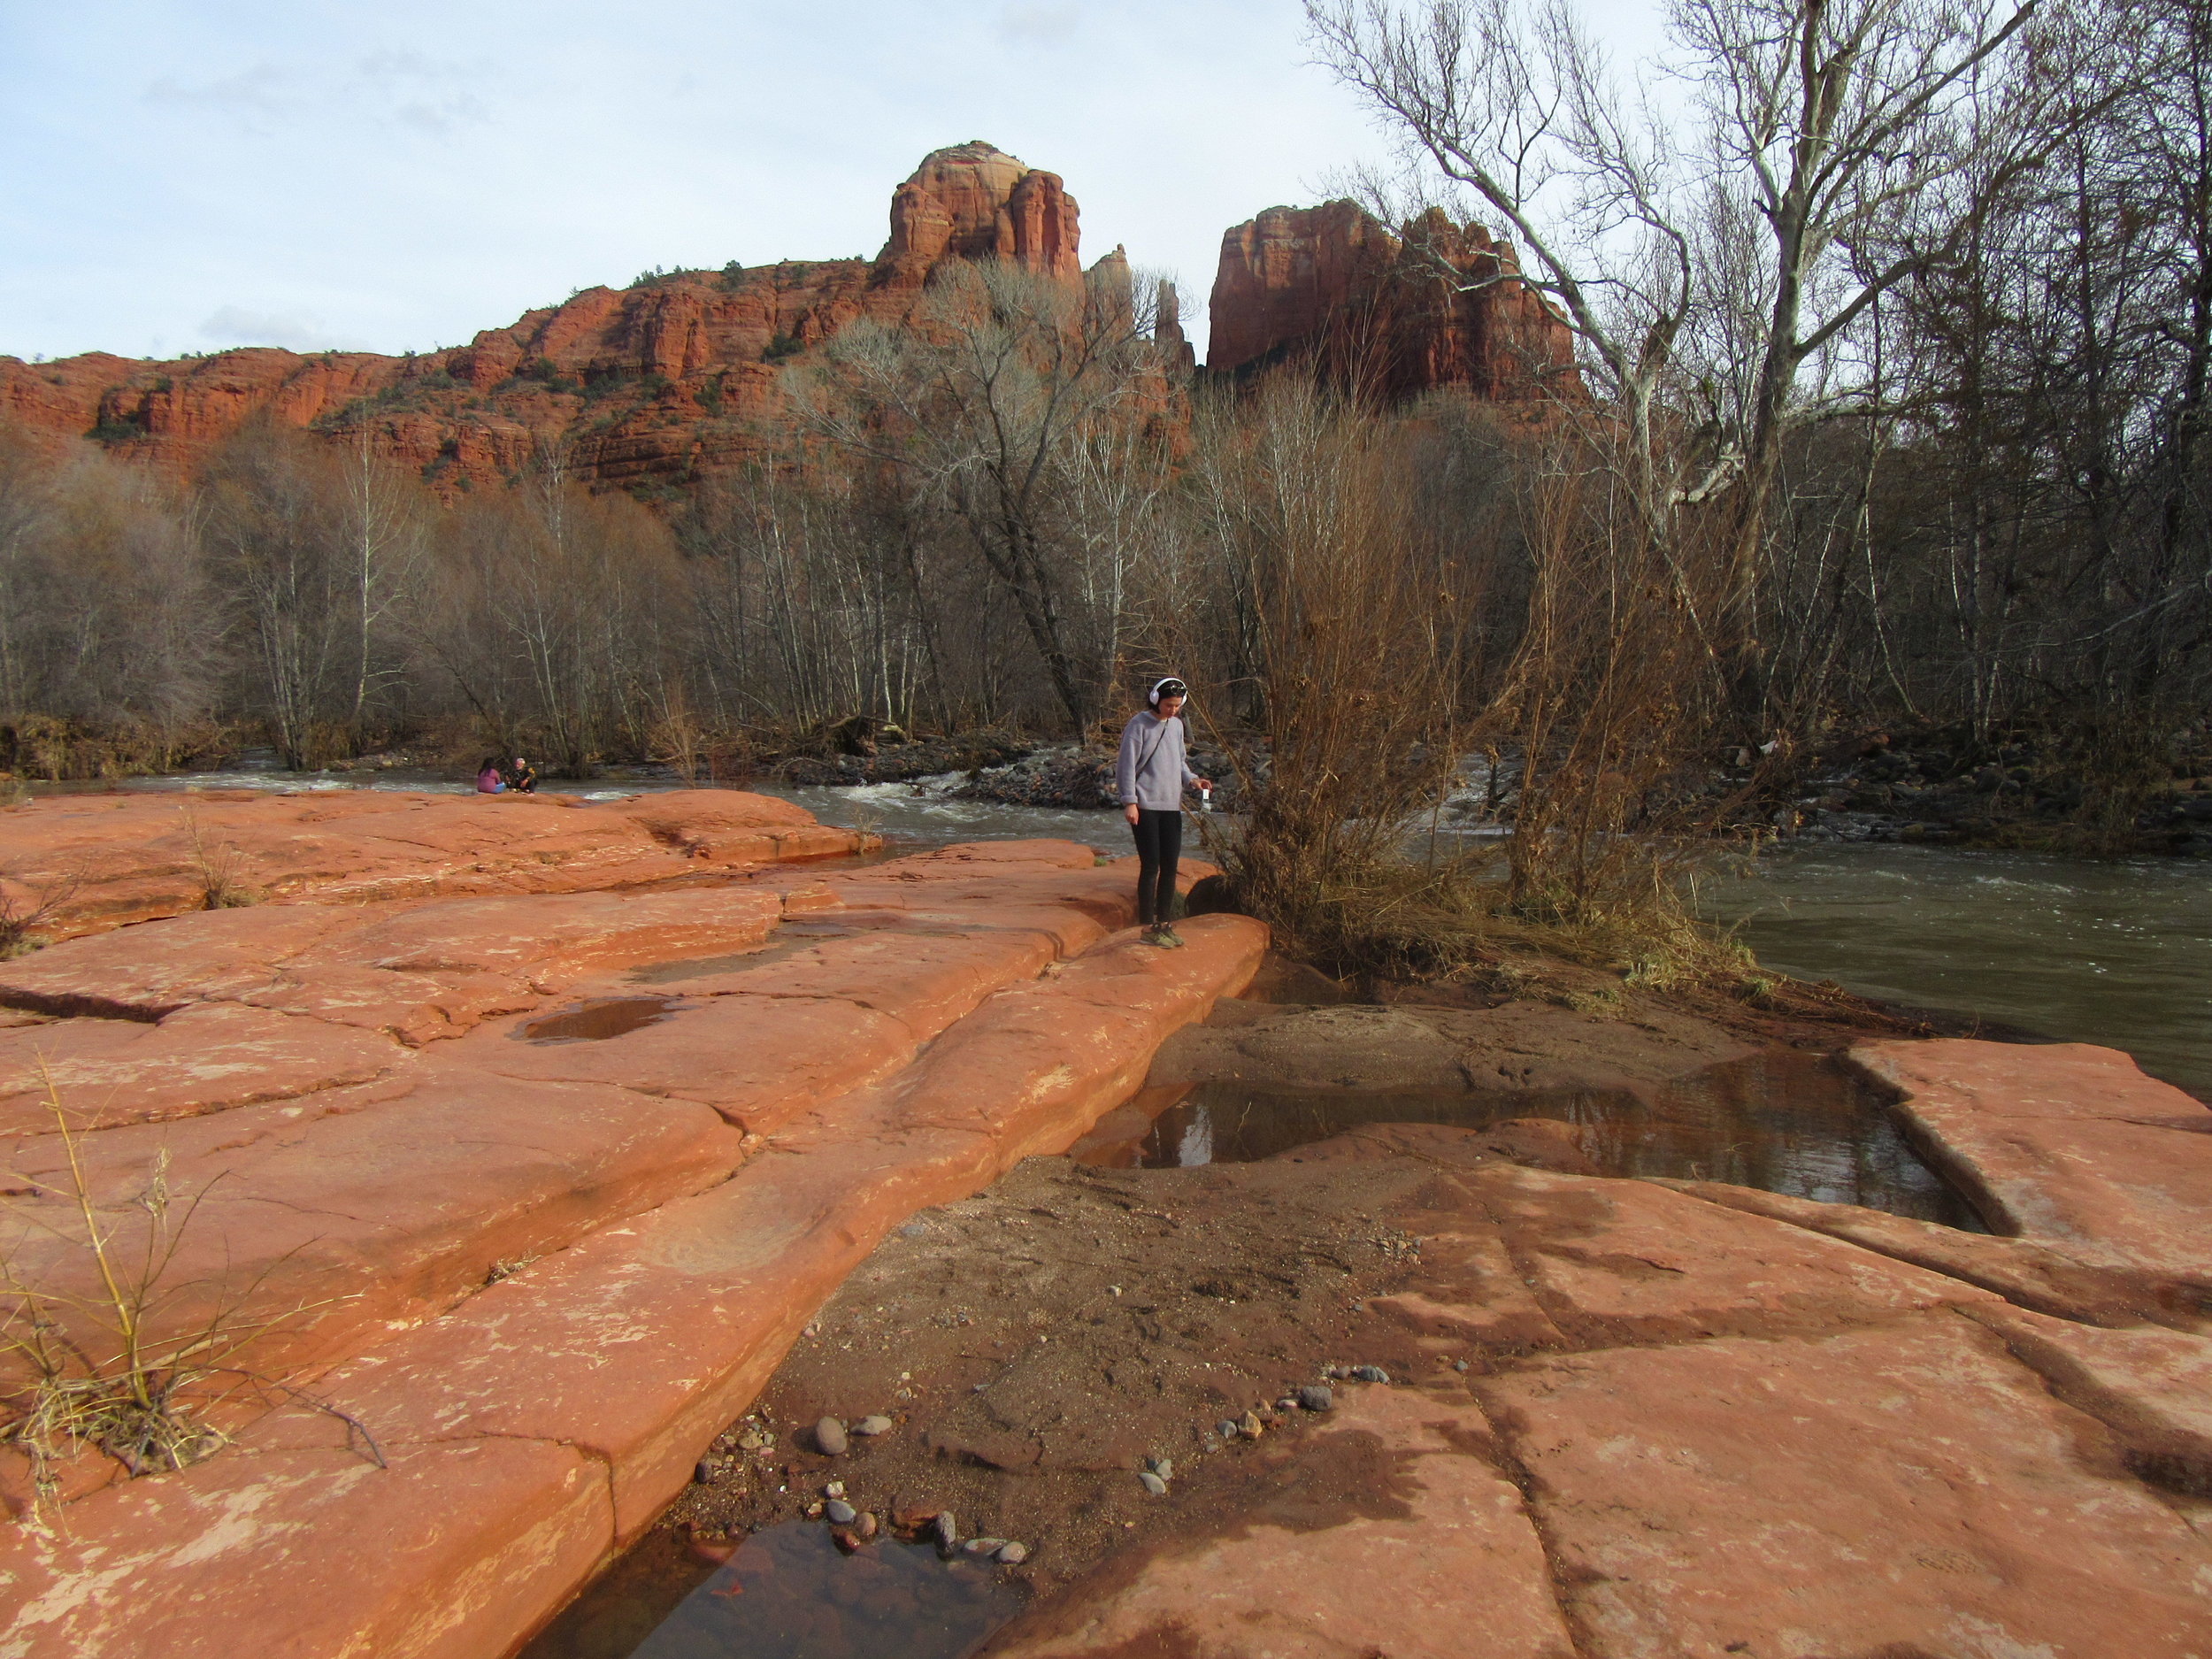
{"x":24,"y":907}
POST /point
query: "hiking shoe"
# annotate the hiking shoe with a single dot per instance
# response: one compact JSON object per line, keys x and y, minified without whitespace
{"x":1168,"y":937}
{"x":1156,"y":934}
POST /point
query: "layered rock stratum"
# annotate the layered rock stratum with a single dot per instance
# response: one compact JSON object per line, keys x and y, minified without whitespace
{"x":1393,"y":314}
{"x":531,"y":1152}
{"x":681,"y":375}
{"x":672,"y":376}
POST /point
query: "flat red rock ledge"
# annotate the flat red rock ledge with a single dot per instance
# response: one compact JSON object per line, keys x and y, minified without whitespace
{"x":103,"y":861}
{"x":2070,"y":1145}
{"x":542,"y":1423}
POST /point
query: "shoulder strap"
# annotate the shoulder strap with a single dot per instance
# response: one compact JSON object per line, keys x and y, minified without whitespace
{"x":1159,"y":738}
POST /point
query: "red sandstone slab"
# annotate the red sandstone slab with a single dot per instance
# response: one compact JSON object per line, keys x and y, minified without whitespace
{"x":1472,"y":1291}
{"x":2074,"y":1146}
{"x":314,"y":1555}
{"x":667,"y":1323}
{"x":414,"y":1008}
{"x":2152,"y":1388}
{"x":208,"y":1058}
{"x":127,"y":858}
{"x":555,"y":938}
{"x":2021,"y":1270}
{"x":1623,"y":1260}
{"x":644,"y":1340}
{"x":759,"y":1061}
{"x":1904,"y":1490}
{"x":150,"y":970}
{"x":924,"y":981}
{"x":1397,"y":1543}
{"x":345,"y":1224}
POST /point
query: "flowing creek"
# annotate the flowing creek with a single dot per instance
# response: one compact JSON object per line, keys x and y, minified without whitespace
{"x":2117,"y":952}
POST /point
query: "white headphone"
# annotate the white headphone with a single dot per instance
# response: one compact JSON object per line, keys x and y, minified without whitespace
{"x":1153,"y":696}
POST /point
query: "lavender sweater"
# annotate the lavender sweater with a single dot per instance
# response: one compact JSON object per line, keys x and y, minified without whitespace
{"x":1151,"y":770}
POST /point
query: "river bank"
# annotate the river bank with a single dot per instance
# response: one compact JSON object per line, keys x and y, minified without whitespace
{"x":1207,"y":1406}
{"x":2108,"y":950}
{"x":536,"y":1134}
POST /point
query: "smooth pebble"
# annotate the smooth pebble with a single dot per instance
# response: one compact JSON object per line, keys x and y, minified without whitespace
{"x":840,"y":1512}
{"x":1153,"y":1484}
{"x":829,"y":1436}
{"x":1314,"y":1397}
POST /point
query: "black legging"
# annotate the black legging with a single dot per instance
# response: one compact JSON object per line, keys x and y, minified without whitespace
{"x":1159,"y":844}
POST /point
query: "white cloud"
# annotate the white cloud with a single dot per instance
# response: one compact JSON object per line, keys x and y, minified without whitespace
{"x":236,"y":326}
{"x":401,"y":88}
{"x":1039,"y":25}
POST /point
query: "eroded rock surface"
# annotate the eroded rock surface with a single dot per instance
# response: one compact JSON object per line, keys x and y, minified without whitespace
{"x":1333,"y":289}
{"x":1622,"y":1419}
{"x":535,"y":1179}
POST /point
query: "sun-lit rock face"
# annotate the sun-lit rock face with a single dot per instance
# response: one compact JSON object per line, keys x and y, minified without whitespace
{"x":675,"y":375}
{"x":1397,"y":314}
{"x":973,"y":201}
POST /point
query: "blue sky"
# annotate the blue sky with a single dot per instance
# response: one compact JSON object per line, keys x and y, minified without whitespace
{"x":388,"y":175}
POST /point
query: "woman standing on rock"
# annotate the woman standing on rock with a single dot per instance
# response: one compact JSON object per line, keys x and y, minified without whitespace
{"x":1150,"y":777}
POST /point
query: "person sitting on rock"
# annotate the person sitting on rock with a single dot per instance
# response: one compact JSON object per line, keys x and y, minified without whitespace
{"x":489,"y":780}
{"x":1150,"y":775}
{"x":520,"y":778}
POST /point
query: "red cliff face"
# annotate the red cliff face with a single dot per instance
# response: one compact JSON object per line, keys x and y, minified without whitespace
{"x":976,"y":202}
{"x":1394,"y":314}
{"x":676,"y":375}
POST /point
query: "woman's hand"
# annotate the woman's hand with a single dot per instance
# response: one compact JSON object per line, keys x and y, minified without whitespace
{"x":1130,"y":812}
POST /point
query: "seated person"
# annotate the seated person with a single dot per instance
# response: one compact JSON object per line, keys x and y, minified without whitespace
{"x":487,"y":779}
{"x":520,"y":778}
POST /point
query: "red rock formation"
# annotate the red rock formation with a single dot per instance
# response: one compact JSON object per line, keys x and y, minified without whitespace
{"x":1167,"y":333}
{"x":976,"y":202}
{"x":1398,"y":314}
{"x":672,"y":376}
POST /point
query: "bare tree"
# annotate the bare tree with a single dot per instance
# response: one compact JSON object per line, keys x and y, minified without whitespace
{"x":984,"y":397}
{"x":1766,"y":245}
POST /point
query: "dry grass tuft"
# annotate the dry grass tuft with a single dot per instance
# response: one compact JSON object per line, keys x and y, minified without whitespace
{"x":221,"y":868}
{"x":107,"y":1371}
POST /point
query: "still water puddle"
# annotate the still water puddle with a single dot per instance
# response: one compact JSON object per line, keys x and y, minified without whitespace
{"x":786,"y":1593}
{"x":1781,"y":1121}
{"x":597,"y":1021}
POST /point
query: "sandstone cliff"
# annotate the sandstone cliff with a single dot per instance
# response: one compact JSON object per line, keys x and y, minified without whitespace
{"x":674,"y":375}
{"x":1395,"y":314}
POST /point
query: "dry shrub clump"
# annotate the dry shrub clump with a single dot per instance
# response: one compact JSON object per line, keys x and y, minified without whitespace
{"x":1374,"y":667}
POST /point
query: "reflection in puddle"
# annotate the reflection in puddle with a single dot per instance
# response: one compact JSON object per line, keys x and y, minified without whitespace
{"x":1785,"y":1122}
{"x":595,"y":1022}
{"x":787,"y":1593}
